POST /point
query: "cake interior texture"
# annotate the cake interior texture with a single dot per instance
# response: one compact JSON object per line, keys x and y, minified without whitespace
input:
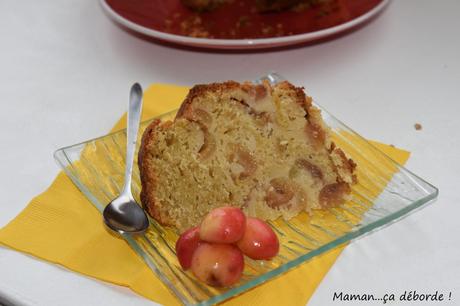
{"x":262,"y":148}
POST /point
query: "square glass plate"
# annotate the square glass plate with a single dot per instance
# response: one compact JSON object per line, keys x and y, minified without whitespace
{"x":386,"y":192}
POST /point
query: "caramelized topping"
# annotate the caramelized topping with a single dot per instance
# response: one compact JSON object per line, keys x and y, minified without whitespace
{"x":279,"y":193}
{"x":347,"y":163}
{"x":345,"y":167}
{"x":333,"y":195}
{"x":257,"y":92}
{"x":260,"y":92}
{"x":332,"y":147}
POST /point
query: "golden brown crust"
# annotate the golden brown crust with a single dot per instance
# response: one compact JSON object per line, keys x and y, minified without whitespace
{"x":148,"y":177}
{"x":303,"y":100}
{"x":347,"y":163}
{"x":202,"y":89}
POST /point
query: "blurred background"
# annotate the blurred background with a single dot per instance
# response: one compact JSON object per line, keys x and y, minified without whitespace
{"x":65,"y":71}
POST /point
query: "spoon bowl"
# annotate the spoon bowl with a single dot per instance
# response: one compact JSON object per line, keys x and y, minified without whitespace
{"x":123,"y":214}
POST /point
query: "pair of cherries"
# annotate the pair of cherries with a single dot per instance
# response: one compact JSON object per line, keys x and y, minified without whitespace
{"x":214,"y":249}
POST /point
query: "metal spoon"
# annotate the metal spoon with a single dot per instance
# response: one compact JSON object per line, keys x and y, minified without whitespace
{"x":123,"y":214}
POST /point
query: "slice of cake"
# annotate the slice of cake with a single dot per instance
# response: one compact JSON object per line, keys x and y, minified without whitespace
{"x":263,"y":148}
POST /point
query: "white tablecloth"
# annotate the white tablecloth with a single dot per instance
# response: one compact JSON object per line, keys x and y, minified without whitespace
{"x":65,"y":71}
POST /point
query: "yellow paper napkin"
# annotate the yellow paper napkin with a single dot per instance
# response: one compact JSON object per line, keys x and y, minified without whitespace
{"x":63,"y":227}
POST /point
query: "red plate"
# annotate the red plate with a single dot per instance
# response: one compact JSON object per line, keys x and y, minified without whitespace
{"x":237,"y":25}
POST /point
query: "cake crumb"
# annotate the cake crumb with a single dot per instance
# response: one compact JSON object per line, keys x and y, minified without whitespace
{"x":418,"y":126}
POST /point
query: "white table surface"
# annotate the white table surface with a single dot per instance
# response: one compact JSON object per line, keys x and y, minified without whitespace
{"x":65,"y":70}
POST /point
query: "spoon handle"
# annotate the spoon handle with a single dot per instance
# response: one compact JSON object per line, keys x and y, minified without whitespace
{"x":134,"y":116}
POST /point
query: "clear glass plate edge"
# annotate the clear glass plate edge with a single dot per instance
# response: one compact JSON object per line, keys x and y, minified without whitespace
{"x":61,"y":158}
